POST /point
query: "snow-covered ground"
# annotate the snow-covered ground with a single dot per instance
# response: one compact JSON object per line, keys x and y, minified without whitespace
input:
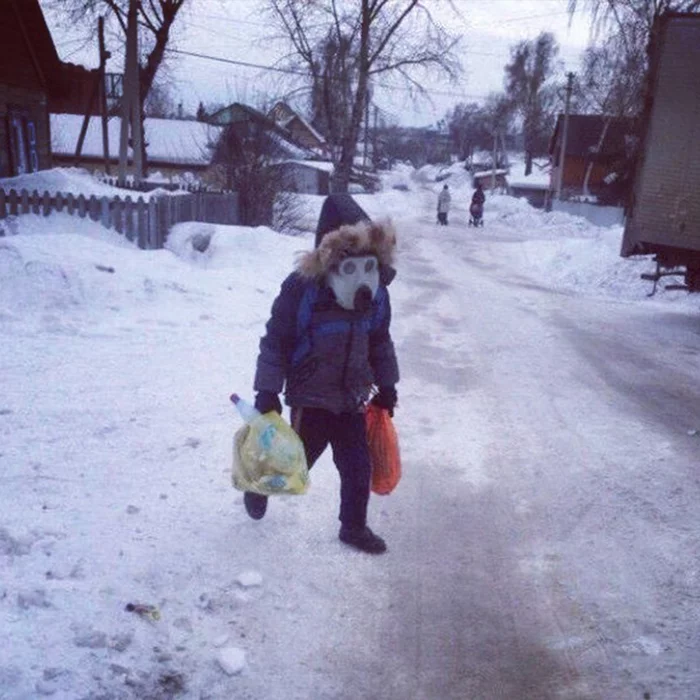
{"x":542,"y":543}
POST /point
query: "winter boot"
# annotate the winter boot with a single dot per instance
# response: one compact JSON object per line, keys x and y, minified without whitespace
{"x":363,"y":539}
{"x":255,"y":504}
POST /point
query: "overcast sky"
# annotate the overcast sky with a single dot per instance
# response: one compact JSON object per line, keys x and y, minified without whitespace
{"x":236,"y":30}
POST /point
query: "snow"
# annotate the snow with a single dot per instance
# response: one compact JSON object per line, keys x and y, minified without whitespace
{"x":77,"y":181}
{"x":179,"y":141}
{"x":65,"y":180}
{"x":323,"y":165}
{"x":539,"y":178}
{"x":543,"y":539}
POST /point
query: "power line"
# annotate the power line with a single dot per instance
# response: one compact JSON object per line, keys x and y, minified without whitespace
{"x":300,"y":73}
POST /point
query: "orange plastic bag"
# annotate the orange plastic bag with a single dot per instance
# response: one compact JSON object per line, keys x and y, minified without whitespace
{"x":383,"y":450}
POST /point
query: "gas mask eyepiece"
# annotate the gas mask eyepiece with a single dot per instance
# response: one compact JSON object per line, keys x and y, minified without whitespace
{"x":355,"y":281}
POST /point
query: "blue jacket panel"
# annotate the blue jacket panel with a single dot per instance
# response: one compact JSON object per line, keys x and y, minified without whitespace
{"x":322,"y":355}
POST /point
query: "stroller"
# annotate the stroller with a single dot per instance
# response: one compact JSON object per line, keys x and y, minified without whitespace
{"x":476,"y":212}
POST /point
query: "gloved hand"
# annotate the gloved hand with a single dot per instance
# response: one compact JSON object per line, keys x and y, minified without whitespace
{"x":266,"y":401}
{"x":386,"y":398}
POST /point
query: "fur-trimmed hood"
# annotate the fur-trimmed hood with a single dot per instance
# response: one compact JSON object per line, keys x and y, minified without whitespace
{"x":376,"y":238}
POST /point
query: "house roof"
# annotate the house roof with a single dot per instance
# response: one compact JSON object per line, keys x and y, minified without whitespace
{"x":322,"y":165}
{"x":35,"y":35}
{"x":284,"y":115}
{"x":584,"y":130}
{"x":171,"y":141}
{"x":238,"y":113}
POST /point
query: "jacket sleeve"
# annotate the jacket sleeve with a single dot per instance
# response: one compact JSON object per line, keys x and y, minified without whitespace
{"x":277,"y":345}
{"x":382,"y":356}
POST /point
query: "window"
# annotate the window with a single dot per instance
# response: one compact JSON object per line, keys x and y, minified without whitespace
{"x":24,"y":157}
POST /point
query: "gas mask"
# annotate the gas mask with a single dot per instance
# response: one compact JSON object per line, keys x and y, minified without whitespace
{"x":355,"y":281}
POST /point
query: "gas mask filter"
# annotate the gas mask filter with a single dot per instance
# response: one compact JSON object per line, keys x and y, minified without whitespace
{"x":355,"y":281}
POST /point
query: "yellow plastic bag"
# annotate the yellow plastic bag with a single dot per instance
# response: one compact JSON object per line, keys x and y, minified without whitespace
{"x":269,"y":457}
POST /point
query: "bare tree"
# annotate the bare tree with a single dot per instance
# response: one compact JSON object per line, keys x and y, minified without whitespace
{"x":335,"y":73}
{"x":155,"y":17}
{"x":468,"y":128}
{"x":627,"y":27}
{"x":247,"y":159}
{"x":532,"y":65}
{"x":160,"y":101}
{"x":374,"y":38}
{"x":623,"y":14}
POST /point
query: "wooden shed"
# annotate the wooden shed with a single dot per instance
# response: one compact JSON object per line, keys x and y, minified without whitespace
{"x":585,"y":147}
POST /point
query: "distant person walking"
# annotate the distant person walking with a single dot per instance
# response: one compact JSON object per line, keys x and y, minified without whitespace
{"x":443,"y":208}
{"x":476,"y":208}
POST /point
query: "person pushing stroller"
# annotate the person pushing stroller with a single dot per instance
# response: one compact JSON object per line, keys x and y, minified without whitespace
{"x":476,"y":208}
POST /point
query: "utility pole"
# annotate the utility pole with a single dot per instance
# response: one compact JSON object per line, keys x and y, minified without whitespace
{"x":494,"y":156}
{"x":565,"y":128}
{"x":104,"y":55}
{"x":97,"y":92}
{"x":131,"y":108}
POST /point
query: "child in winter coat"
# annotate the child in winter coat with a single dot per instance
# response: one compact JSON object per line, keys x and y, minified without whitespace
{"x":326,"y":343}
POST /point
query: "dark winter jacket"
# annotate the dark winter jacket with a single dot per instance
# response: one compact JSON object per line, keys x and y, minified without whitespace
{"x":479,"y":197}
{"x":321,"y":354}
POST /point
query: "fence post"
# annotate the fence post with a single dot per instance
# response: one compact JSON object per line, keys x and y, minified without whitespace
{"x":81,"y":206}
{"x":93,"y":208}
{"x":24,"y":198}
{"x":59,"y":201}
{"x":141,"y":224}
{"x":104,"y":213}
{"x":2,"y":204}
{"x":35,"y":202}
{"x":70,"y":204}
{"x":163,"y":220}
{"x":46,"y":203}
{"x":128,"y":220}
{"x":152,"y":224}
{"x":117,"y":214}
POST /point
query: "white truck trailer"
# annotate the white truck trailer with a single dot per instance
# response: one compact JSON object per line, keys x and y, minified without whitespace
{"x":663,"y":216}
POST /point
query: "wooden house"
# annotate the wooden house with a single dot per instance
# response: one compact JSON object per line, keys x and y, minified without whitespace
{"x":299,"y":130}
{"x":30,"y":75}
{"x":584,"y":148}
{"x":250,"y":134}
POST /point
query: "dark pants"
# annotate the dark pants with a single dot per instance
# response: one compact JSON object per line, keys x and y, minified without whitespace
{"x":442,"y":217}
{"x":347,"y":435}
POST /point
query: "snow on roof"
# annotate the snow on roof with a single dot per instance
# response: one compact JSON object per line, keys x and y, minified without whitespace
{"x":324,"y":165}
{"x":498,"y":171}
{"x":169,"y":140}
{"x":311,"y":129}
{"x":539,"y":178}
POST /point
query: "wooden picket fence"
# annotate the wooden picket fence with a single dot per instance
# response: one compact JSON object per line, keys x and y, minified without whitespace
{"x":146,"y":222}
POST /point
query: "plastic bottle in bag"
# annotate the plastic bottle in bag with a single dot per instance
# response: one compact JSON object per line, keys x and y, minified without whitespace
{"x":268,"y":455}
{"x":248,"y":412}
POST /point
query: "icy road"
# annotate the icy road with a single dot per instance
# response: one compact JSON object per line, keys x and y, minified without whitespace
{"x":543,"y":542}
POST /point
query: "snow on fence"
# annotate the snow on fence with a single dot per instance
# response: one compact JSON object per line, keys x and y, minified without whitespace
{"x":145,"y":222}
